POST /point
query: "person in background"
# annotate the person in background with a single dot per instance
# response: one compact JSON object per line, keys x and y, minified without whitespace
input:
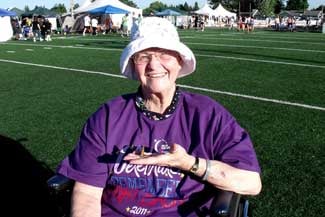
{"x":108,"y":24}
{"x":124,"y":25}
{"x":87,"y":23}
{"x":94,"y":25}
{"x":160,"y":151}
{"x":36,"y":28}
{"x":66,"y":30}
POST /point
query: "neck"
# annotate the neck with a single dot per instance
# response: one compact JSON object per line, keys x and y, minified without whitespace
{"x":159,"y":102}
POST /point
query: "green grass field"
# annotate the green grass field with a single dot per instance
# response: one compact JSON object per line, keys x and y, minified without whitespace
{"x":272,"y":82}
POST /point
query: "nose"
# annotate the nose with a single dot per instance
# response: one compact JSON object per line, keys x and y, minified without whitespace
{"x":153,"y":62}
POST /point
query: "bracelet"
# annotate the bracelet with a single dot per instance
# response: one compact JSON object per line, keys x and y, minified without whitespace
{"x":207,"y":170}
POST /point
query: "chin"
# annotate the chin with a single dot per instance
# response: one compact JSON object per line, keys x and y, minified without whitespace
{"x":159,"y":88}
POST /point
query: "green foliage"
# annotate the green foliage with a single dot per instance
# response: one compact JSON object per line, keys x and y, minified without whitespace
{"x":321,"y":7}
{"x":279,"y":6}
{"x":130,"y":3}
{"x":266,"y":7}
{"x":159,"y":6}
{"x":26,"y":8}
{"x":59,"y":9}
{"x":297,"y":4}
{"x":196,"y":6}
{"x":76,"y":6}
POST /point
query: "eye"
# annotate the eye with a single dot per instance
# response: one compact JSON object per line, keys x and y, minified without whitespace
{"x":144,"y":58}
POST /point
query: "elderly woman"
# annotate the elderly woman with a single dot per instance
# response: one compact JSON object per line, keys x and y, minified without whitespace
{"x":160,"y":151}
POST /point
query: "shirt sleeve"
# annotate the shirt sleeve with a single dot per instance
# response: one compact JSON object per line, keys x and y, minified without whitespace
{"x":235,"y":147}
{"x":83,"y":164}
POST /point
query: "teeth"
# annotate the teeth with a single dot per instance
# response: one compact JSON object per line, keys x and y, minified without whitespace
{"x":156,"y":75}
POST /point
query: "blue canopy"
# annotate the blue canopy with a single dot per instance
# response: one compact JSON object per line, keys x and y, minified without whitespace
{"x":108,"y":9}
{"x":4,"y":12}
{"x":168,"y":12}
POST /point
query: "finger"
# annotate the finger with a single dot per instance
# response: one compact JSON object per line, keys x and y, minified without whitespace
{"x":150,"y":160}
{"x":131,"y":156}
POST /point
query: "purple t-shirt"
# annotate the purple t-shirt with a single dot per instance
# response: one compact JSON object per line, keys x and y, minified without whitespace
{"x":202,"y":126}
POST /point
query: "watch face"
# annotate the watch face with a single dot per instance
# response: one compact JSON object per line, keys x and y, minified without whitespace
{"x":195,"y":167}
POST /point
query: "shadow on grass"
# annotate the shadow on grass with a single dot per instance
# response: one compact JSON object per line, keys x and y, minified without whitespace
{"x":24,"y":188}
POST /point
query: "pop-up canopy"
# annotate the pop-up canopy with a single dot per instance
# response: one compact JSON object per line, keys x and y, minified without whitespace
{"x":108,"y":9}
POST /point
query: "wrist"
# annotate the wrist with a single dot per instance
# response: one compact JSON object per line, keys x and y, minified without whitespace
{"x":195,"y":166}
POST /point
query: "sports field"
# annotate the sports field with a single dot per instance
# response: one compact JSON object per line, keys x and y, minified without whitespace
{"x":272,"y":82}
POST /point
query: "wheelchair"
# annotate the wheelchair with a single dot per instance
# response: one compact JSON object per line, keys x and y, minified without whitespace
{"x":224,"y":204}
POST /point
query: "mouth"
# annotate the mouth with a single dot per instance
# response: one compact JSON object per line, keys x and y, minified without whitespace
{"x":156,"y":75}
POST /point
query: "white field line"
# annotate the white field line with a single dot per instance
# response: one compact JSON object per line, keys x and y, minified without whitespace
{"x":254,"y":35}
{"x":260,"y":40}
{"x":63,"y":68}
{"x":263,"y":61}
{"x":258,"y":47}
{"x":64,"y":46}
{"x":203,"y":55}
{"x":181,"y":85}
{"x":216,"y":37}
{"x":242,"y":46}
{"x":209,"y":44}
{"x":260,"y":35}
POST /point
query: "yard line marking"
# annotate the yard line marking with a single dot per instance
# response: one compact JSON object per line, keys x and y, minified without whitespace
{"x":181,"y":85}
{"x":263,"y":61}
{"x":63,"y":68}
{"x":289,"y":37}
{"x":11,"y":51}
{"x":262,"y":40}
{"x":203,"y":55}
{"x":225,"y":45}
{"x":64,"y":46}
{"x":259,"y":47}
{"x":255,"y":97}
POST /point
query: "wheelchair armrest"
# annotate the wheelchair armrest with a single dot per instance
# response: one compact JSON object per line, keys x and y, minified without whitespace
{"x":229,"y":204}
{"x":59,"y":183}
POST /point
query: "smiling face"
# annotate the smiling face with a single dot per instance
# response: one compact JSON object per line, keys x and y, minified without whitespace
{"x":157,"y":69}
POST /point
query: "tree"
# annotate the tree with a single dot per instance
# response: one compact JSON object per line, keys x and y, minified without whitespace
{"x":297,"y":4}
{"x":186,"y":7}
{"x":304,"y":4}
{"x":153,"y":7}
{"x":279,"y":6}
{"x":59,"y":9}
{"x":266,"y":7}
{"x":130,"y":3}
{"x":321,"y":7}
{"x":26,"y":8}
{"x":196,"y":6}
{"x":76,"y":6}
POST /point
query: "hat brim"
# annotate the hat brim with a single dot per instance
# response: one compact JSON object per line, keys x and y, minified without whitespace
{"x":127,"y":66}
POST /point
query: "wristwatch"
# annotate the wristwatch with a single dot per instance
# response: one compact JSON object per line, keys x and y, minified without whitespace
{"x":195,"y":166}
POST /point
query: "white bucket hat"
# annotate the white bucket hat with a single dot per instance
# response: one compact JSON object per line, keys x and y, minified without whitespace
{"x":160,"y":33}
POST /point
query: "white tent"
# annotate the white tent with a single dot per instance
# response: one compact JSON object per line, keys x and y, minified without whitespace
{"x":83,"y":6}
{"x":101,"y":3}
{"x":220,"y":11}
{"x":5,"y":29}
{"x":205,"y":10}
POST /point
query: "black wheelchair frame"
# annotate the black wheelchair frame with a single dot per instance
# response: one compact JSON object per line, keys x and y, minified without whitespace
{"x":225,"y":203}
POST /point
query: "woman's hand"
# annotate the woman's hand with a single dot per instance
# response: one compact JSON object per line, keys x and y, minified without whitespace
{"x":177,"y":157}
